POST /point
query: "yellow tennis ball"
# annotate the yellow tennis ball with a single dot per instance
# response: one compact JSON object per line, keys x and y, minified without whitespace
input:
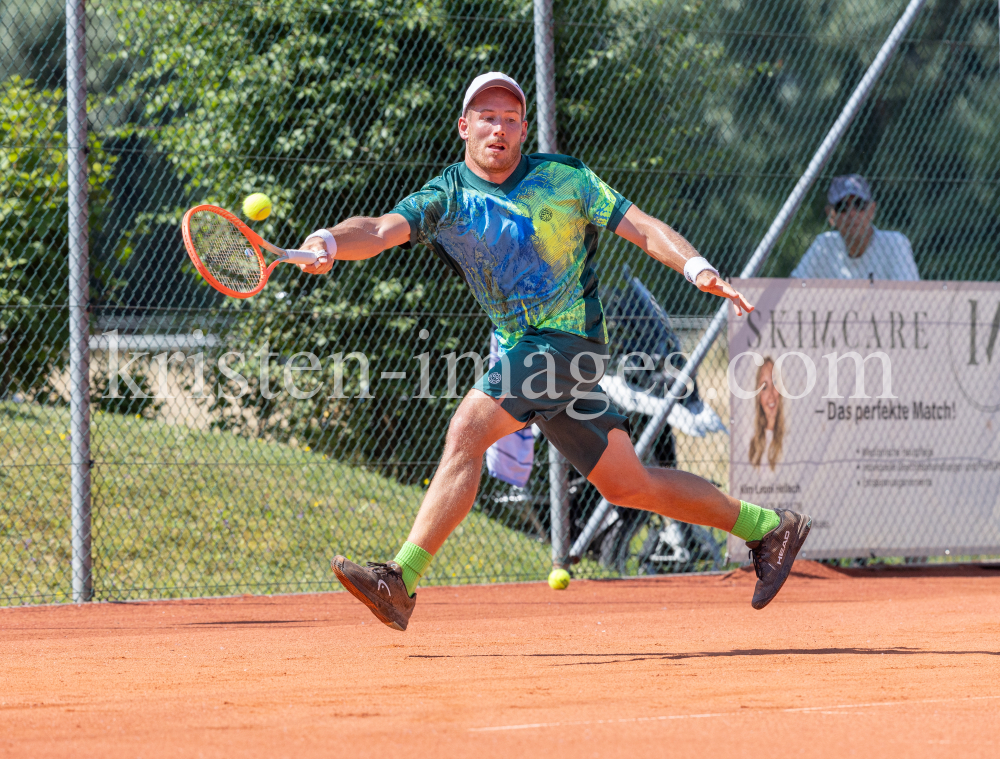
{"x":558,"y":579}
{"x":257,"y":206}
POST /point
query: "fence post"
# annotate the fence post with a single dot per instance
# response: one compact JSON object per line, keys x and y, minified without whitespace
{"x":545,"y":100}
{"x":559,"y":502}
{"x":788,"y":210}
{"x":79,"y":318}
{"x":545,"y":76}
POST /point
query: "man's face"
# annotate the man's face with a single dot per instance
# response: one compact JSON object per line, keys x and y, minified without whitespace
{"x":852,"y":217}
{"x":493,"y":128}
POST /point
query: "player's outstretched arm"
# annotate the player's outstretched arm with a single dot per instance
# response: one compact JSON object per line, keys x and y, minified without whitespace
{"x":670,"y":248}
{"x":357,"y":238}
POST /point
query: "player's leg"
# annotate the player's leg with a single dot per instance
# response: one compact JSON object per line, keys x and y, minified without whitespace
{"x":774,"y":537}
{"x":388,"y":589}
{"x":624,"y":481}
{"x":477,"y":424}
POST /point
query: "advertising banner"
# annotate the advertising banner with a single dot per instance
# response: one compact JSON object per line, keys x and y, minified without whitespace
{"x":875,"y":408}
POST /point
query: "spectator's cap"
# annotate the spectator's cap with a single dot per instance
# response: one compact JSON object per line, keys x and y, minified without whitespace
{"x":493,"y":79}
{"x":849,"y":184}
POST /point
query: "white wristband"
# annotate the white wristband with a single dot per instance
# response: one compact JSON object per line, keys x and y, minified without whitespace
{"x":328,"y":239}
{"x":695,"y":266}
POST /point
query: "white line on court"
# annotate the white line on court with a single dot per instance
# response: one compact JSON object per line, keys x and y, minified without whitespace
{"x":663,"y":718}
{"x":890,"y":703}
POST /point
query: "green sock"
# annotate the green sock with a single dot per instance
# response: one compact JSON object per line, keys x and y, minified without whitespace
{"x":414,"y":560}
{"x":754,"y":522}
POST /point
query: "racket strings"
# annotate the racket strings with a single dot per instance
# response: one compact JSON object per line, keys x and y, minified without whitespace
{"x":225,"y":252}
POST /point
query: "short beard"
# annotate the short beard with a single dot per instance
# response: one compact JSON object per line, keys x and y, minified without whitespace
{"x":488,"y":164}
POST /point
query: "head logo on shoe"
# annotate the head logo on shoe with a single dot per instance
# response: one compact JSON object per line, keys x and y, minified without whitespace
{"x":784,"y":545}
{"x":387,"y":591}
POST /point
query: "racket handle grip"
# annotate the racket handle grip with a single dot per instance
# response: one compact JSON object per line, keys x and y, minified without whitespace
{"x":301,"y":257}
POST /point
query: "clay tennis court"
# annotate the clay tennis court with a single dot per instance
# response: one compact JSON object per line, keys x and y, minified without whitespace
{"x":859,"y":663}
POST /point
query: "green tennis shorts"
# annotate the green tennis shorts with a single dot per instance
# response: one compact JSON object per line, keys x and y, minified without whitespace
{"x":550,"y":378}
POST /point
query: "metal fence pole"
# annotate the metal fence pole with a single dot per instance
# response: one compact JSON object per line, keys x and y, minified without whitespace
{"x":559,"y":499}
{"x":79,"y":323}
{"x":545,"y":76}
{"x":545,"y":99}
{"x":788,"y":210}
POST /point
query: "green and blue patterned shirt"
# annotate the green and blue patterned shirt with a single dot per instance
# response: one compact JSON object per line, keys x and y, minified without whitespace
{"x":524,"y":247}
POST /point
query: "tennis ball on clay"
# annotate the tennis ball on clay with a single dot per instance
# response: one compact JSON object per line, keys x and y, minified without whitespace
{"x":257,"y":206}
{"x":558,"y":579}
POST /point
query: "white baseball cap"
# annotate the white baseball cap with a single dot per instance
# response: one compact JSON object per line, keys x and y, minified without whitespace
{"x":493,"y":79}
{"x":847,"y":185}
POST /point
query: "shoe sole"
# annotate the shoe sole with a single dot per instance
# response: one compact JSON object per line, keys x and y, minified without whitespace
{"x":787,"y":570}
{"x":354,"y":591}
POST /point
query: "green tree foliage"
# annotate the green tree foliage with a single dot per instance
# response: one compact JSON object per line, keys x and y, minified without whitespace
{"x":33,"y":240}
{"x":333,"y":111}
{"x":924,"y":138}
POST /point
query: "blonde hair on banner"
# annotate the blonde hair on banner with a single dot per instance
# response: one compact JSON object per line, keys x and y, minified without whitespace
{"x":759,"y":441}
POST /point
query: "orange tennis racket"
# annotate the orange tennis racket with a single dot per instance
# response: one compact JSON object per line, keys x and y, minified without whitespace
{"x":227,"y":253}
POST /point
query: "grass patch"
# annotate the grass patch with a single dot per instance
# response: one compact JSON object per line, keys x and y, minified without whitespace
{"x":184,"y":512}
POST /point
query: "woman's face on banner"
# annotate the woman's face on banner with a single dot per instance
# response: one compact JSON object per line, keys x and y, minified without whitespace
{"x":768,"y":397}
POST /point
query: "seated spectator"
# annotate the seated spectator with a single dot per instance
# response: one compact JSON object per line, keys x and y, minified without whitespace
{"x":856,"y":249}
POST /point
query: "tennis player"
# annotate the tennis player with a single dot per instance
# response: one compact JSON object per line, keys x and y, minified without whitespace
{"x":523,"y":230}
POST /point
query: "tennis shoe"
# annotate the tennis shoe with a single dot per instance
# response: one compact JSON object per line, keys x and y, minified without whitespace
{"x":380,"y":587}
{"x":774,"y":554}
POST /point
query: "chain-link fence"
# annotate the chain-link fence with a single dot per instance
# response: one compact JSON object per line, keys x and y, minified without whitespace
{"x":704,"y":114}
